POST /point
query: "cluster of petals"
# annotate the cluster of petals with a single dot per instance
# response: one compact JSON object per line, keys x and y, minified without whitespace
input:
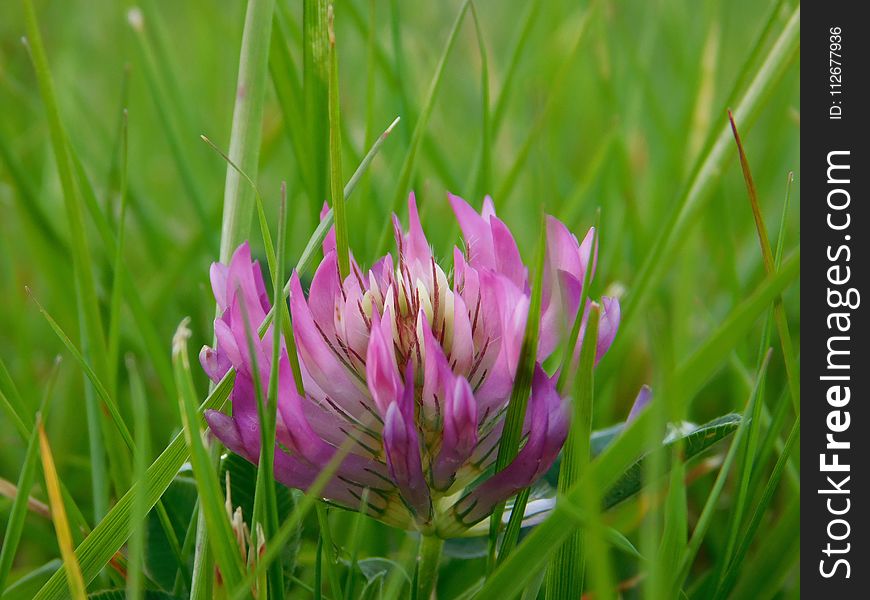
{"x":408,"y":365}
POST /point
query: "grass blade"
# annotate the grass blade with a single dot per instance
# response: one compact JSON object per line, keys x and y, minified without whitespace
{"x":674,"y":231}
{"x":694,"y":371}
{"x":136,"y":545}
{"x":288,"y":527}
{"x":111,"y":533}
{"x":315,"y":87}
{"x":604,"y":471}
{"x":93,"y":341}
{"x":166,"y":111}
{"x":732,"y":572}
{"x":788,"y":352}
{"x":565,"y":572}
{"x":313,"y":246}
{"x":509,"y":443}
{"x":704,"y":521}
{"x":407,"y":170}
{"x":221,"y":538}
{"x":484,"y":178}
{"x":73,"y":573}
{"x":18,"y":512}
{"x":117,"y":287}
{"x":329,"y":562}
{"x":238,"y":207}
{"x":335,"y":178}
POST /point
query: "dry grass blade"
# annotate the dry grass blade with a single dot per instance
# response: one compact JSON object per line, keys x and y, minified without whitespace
{"x":58,"y":514}
{"x":769,"y":267}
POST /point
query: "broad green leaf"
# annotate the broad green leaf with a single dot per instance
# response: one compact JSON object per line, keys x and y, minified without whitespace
{"x":161,"y":563}
{"x":694,"y":443}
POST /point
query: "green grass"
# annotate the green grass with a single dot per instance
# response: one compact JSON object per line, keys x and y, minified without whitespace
{"x":616,"y":112}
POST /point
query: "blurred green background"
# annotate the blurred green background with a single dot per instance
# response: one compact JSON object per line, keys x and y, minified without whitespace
{"x":607,"y":108}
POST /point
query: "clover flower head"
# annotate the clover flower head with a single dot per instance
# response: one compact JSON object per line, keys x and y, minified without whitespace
{"x":411,"y":364}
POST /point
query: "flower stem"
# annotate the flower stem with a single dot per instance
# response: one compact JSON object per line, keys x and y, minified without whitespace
{"x":427,"y":565}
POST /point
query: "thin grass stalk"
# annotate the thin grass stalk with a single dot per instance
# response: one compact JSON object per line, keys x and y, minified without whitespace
{"x":428,"y":562}
{"x":673,"y":232}
{"x":705,"y":520}
{"x":136,"y":545}
{"x":484,"y":175}
{"x":788,"y":353}
{"x":407,"y":169}
{"x":315,"y":87}
{"x":117,"y":288}
{"x":18,"y":512}
{"x":730,"y":577}
{"x":276,"y":573}
{"x":335,"y":178}
{"x":265,"y":515}
{"x":318,"y":568}
{"x":329,"y":558}
{"x":509,"y":443}
{"x":359,"y":528}
{"x":151,"y":341}
{"x":565,"y":572}
{"x":221,"y":539}
{"x":110,"y":534}
{"x":87,"y":303}
{"x":770,"y":266}
{"x":288,"y":90}
{"x":244,"y":149}
{"x":166,"y":111}
{"x":309,"y":500}
{"x":521,"y":566}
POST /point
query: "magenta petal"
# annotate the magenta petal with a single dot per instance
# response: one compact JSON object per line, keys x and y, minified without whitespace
{"x":245,"y":279}
{"x":557,"y":316}
{"x":488,"y":208}
{"x":507,"y":255}
{"x":437,"y":376}
{"x":382,"y":373}
{"x":324,"y":293}
{"x":214,"y":362}
{"x":476,"y":231}
{"x":547,"y":429}
{"x":218,"y":277}
{"x":417,"y":246}
{"x":643,"y":398}
{"x":460,"y":433}
{"x":402,"y":448}
{"x":321,"y":361}
{"x":224,"y":428}
{"x":462,"y":346}
{"x":329,"y":240}
{"x":226,"y":344}
{"x":607,"y":326}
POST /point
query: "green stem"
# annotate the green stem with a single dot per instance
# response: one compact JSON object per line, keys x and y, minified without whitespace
{"x":427,"y":565}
